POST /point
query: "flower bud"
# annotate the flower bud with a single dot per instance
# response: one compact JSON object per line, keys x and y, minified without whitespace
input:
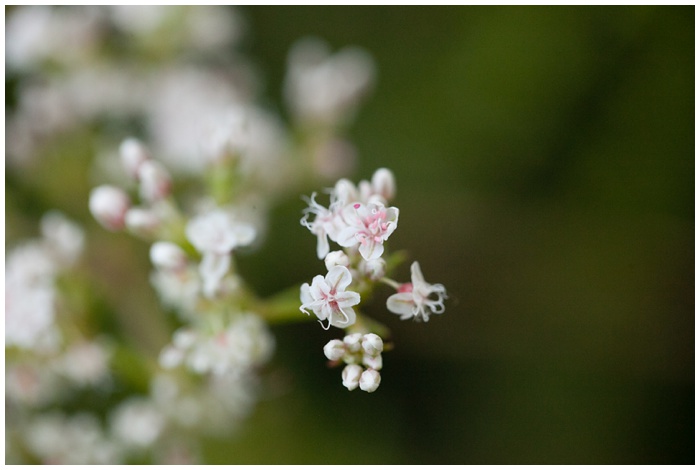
{"x":132,"y":154}
{"x":372,"y":344}
{"x":336,"y":258}
{"x":383,"y":183}
{"x":373,"y":362}
{"x":369,"y":380}
{"x":168,"y":256}
{"x":154,"y":180}
{"x":334,"y":350}
{"x":351,"y":376}
{"x":108,"y":204}
{"x":353,"y":342}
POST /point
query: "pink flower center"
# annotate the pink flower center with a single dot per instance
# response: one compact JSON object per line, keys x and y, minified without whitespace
{"x":407,"y":287}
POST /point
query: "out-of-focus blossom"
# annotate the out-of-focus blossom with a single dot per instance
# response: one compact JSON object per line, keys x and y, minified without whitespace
{"x":325,"y":89}
{"x":244,"y":344}
{"x":109,"y":204}
{"x":215,"y":234}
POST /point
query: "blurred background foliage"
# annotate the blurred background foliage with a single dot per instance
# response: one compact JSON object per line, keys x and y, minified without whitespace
{"x":544,"y":158}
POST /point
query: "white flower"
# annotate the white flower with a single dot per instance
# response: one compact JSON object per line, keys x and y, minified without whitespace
{"x":137,"y":422}
{"x":369,"y":380}
{"x":324,"y":225}
{"x":65,"y":239}
{"x":29,"y":309}
{"x":108,"y":204}
{"x":244,"y":344}
{"x":417,"y":299}
{"x":325,"y":88}
{"x":369,"y":226}
{"x":215,"y":234}
{"x":86,"y":363}
{"x":328,"y":298}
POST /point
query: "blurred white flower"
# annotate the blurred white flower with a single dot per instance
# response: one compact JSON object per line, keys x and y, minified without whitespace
{"x":215,"y":234}
{"x":326,"y":89}
{"x":109,"y":204}
{"x":244,"y":344}
{"x":137,"y":423}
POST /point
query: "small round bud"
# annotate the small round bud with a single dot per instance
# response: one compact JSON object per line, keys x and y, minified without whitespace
{"x":168,"y":256}
{"x":372,"y":344}
{"x":383,"y":183}
{"x":108,"y":204}
{"x":334,"y":350}
{"x":351,"y":376}
{"x":353,"y":342}
{"x":373,"y":362}
{"x":132,"y":154}
{"x":154,"y":180}
{"x":369,"y":380}
{"x":336,"y":258}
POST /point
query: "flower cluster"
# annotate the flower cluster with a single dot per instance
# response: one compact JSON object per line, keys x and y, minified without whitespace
{"x":359,"y":220}
{"x":190,"y":162}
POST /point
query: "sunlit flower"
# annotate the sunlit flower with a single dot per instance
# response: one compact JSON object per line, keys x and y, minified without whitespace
{"x":329,"y":300}
{"x":418,"y":299}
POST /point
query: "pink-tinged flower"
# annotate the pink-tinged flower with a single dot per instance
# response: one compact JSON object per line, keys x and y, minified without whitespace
{"x":329,"y":300}
{"x":369,"y":225}
{"x":418,"y":298}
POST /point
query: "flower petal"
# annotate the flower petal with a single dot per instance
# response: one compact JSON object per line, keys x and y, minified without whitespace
{"x":371,"y":250}
{"x":338,"y":278}
{"x":401,"y":304}
{"x":347,"y":299}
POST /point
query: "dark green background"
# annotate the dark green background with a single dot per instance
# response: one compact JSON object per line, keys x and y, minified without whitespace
{"x":544,"y":158}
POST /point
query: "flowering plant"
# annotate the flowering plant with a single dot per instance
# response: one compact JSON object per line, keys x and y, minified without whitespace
{"x":196,"y":186}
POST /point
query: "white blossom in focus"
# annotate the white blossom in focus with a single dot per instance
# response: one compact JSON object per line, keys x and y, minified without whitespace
{"x":329,"y":300}
{"x":417,"y":299}
{"x":369,"y":226}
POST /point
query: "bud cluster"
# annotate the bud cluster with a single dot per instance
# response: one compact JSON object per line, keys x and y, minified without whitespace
{"x":362,"y":355}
